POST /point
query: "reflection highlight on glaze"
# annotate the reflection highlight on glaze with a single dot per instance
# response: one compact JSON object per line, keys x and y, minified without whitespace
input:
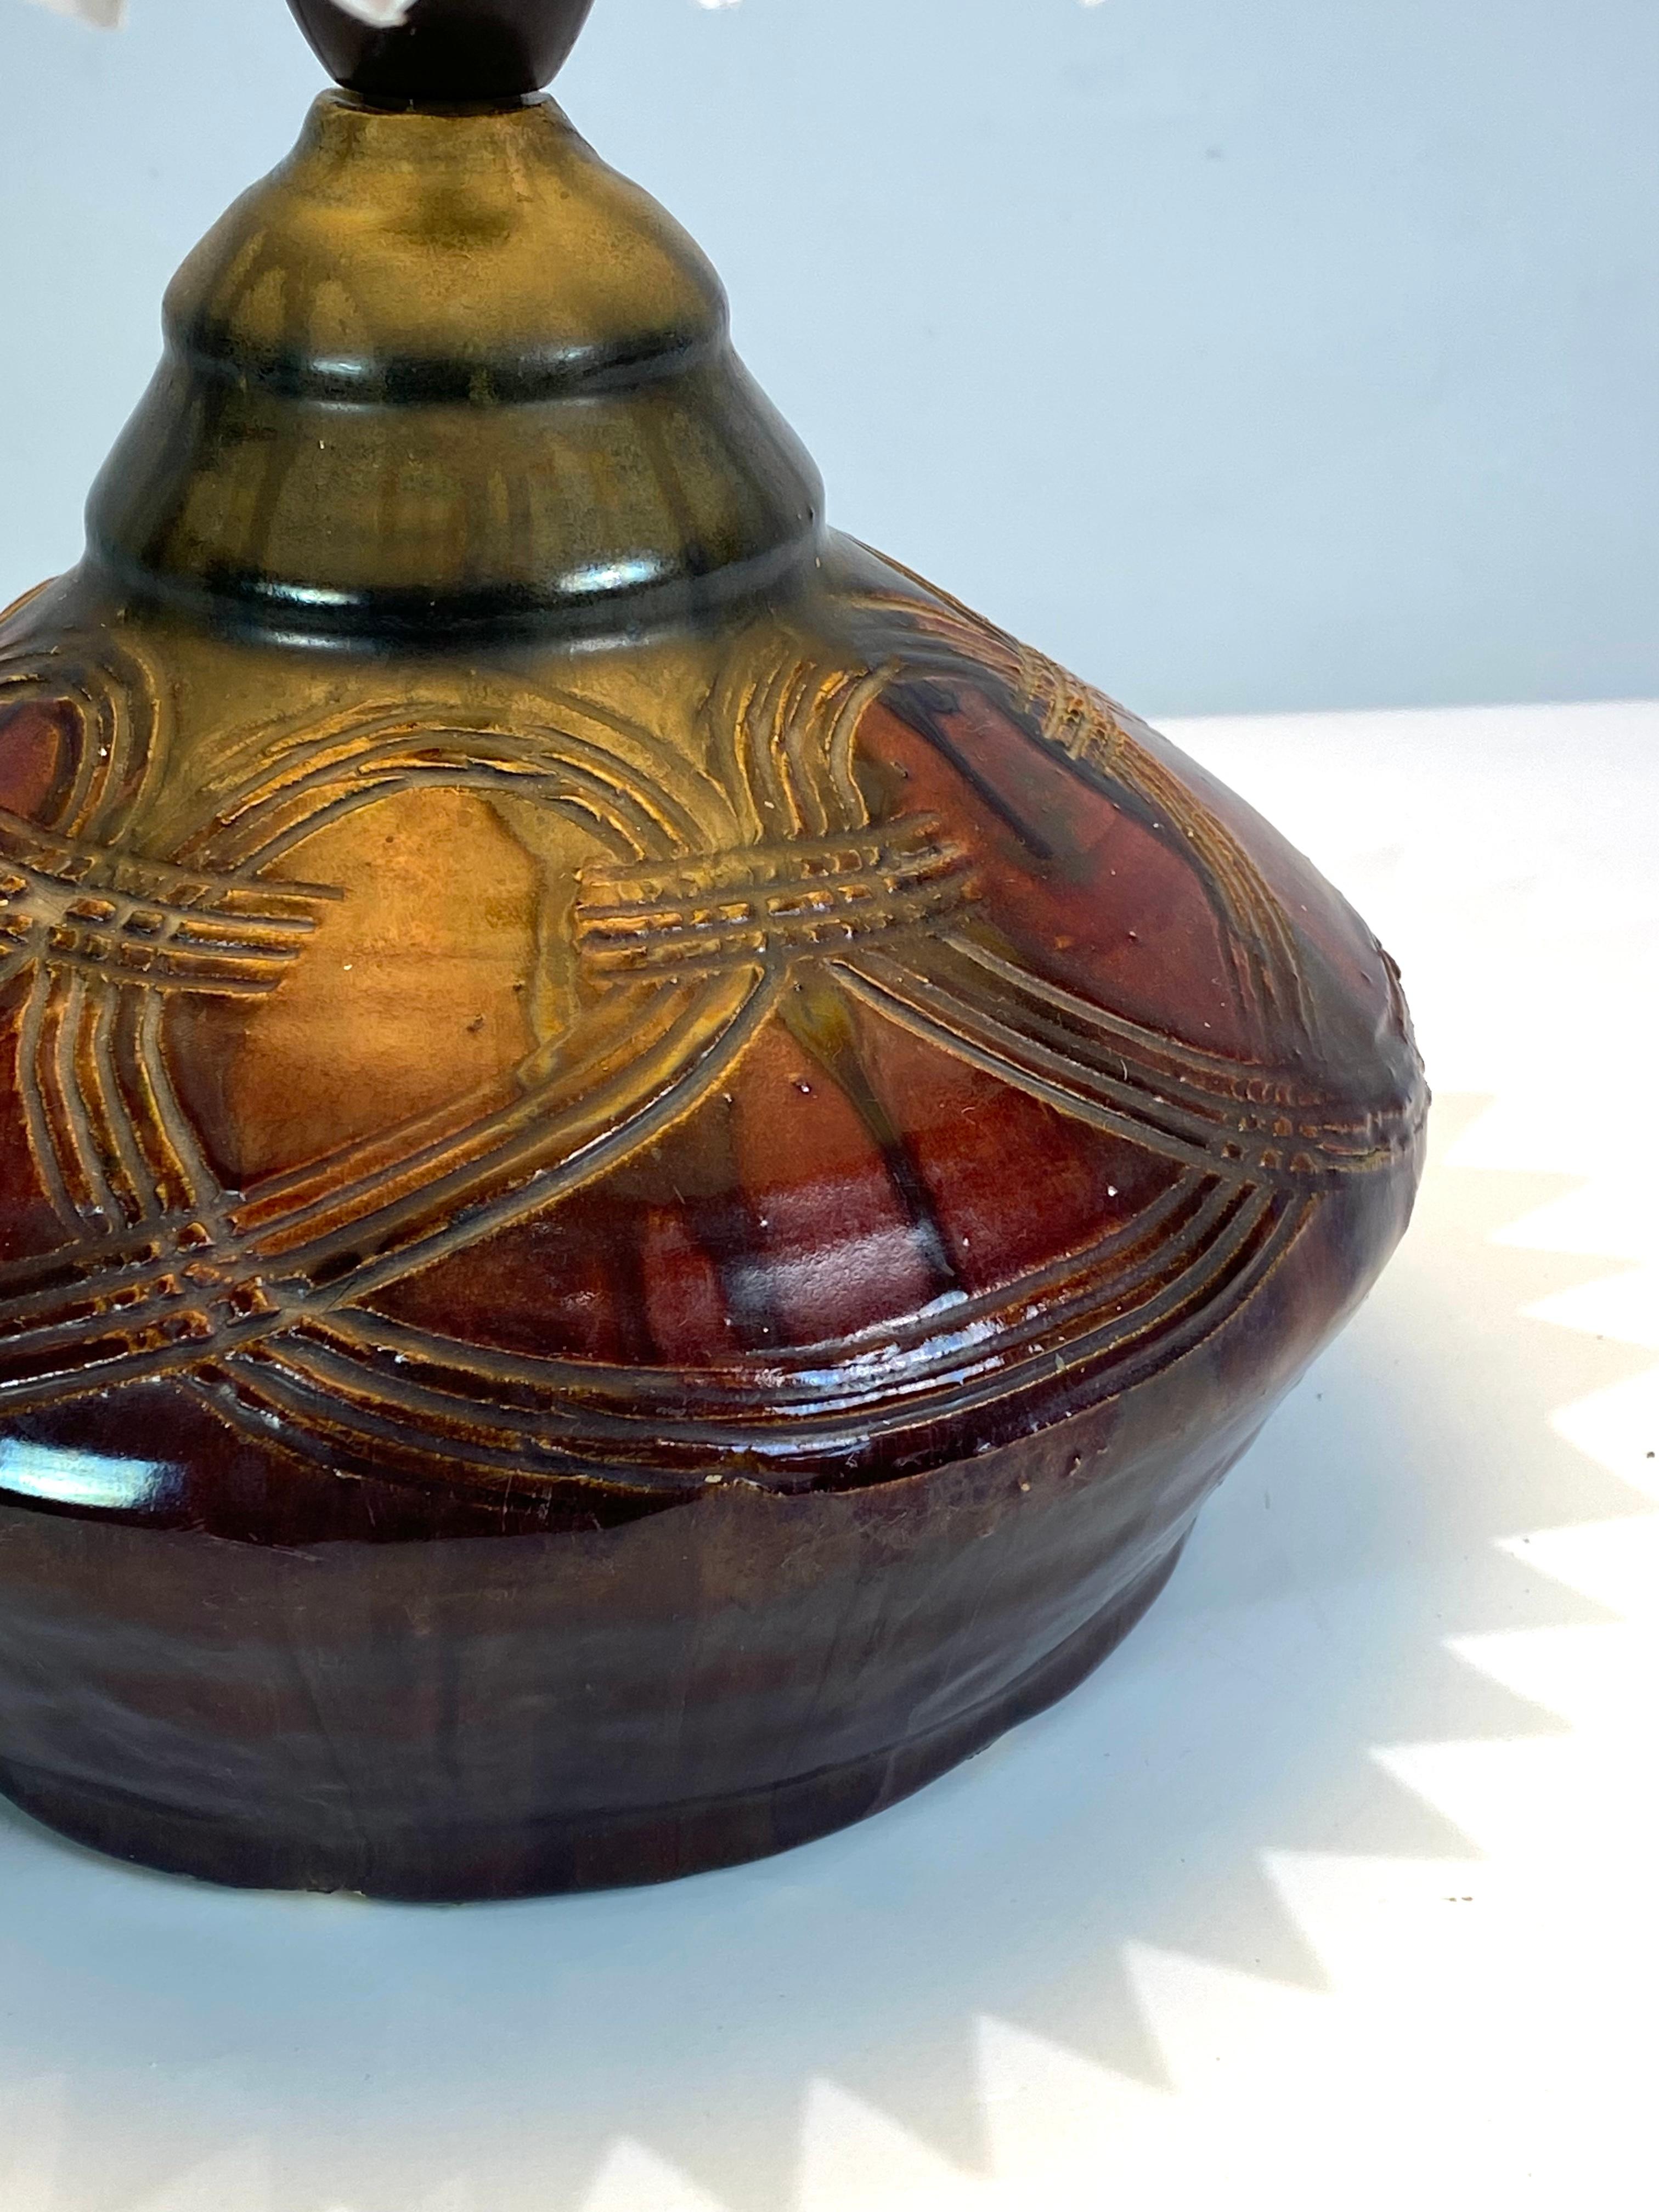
{"x":80,"y":1478}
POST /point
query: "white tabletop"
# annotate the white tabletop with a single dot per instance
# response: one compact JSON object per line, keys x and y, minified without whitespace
{"x":1334,"y":1887}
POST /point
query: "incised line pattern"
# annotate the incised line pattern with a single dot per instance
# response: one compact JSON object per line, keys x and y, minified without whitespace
{"x":724,"y":880}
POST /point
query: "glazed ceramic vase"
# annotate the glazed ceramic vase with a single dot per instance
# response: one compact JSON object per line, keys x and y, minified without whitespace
{"x":645,"y":1172}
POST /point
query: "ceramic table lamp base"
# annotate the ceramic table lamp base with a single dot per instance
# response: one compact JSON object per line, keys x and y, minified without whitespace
{"x":645,"y":1172}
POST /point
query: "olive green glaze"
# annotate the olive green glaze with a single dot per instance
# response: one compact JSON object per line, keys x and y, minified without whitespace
{"x":645,"y":1172}
{"x":442,"y":374}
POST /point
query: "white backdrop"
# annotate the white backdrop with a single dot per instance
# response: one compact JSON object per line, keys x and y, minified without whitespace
{"x":1248,"y":354}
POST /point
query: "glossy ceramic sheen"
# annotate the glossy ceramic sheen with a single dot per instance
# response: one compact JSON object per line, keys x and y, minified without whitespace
{"x":453,"y":53}
{"x":645,"y":1171}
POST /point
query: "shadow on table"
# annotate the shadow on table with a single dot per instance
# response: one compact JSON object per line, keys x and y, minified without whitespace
{"x":291,"y":2054}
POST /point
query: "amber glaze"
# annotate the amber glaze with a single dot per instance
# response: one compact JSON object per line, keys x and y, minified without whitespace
{"x":645,"y":1172}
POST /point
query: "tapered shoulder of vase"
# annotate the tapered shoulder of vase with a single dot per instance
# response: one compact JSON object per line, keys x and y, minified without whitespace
{"x":449,"y":371}
{"x":410,"y":255}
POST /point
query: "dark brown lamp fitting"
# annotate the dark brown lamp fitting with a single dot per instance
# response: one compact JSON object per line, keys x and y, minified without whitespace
{"x":645,"y":1172}
{"x":445,"y":53}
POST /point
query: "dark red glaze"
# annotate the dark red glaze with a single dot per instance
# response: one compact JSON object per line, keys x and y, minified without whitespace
{"x":885,"y":1381}
{"x":37,"y":743}
{"x":645,"y":1172}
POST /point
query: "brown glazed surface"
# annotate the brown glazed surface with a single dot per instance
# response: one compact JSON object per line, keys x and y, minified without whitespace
{"x":645,"y":1173}
{"x":445,"y":53}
